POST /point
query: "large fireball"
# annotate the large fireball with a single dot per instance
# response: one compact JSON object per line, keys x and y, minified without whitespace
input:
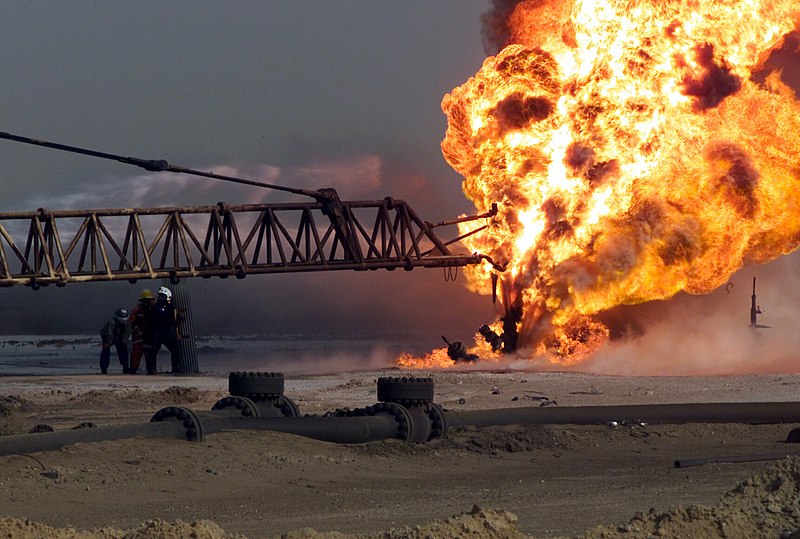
{"x":631,"y":153}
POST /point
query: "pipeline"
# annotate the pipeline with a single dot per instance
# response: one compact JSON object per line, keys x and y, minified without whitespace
{"x":343,"y":430}
{"x":734,"y":412}
{"x":405,"y":411}
{"x":16,"y":444}
{"x":185,"y":424}
{"x":257,"y":403}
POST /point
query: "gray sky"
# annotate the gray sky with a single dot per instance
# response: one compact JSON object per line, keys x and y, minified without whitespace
{"x":326,"y":93}
{"x":337,"y":93}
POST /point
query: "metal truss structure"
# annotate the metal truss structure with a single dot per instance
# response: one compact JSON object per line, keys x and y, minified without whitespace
{"x":67,"y":246}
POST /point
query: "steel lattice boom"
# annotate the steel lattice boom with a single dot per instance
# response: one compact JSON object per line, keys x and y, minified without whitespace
{"x":66,"y":246}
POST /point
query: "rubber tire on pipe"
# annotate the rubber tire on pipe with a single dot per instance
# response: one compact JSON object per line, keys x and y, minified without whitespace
{"x":405,"y":389}
{"x":254,"y":385}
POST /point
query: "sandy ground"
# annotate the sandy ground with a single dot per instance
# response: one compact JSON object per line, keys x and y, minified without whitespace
{"x":537,"y":481}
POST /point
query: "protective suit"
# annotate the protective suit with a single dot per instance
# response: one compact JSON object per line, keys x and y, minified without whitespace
{"x":116,"y":332}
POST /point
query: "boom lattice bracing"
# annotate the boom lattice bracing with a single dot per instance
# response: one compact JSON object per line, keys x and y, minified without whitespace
{"x":59,"y":247}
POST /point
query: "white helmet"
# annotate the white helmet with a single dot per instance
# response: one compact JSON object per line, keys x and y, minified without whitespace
{"x":164,"y":291}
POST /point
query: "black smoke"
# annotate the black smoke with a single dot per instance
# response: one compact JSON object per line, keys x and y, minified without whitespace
{"x":715,"y":83}
{"x":495,"y":32}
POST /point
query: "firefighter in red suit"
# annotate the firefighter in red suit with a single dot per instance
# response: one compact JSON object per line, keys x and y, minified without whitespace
{"x":140,"y":329}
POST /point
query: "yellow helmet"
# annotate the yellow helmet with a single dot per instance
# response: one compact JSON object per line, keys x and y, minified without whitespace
{"x":146,"y":294}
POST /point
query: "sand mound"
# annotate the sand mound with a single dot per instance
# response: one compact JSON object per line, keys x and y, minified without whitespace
{"x":152,"y":529}
{"x":170,"y":395}
{"x":765,"y":505}
{"x":477,"y":524}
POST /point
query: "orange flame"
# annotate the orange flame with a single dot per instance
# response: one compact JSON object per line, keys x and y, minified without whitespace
{"x":631,"y":154}
{"x":439,"y":358}
{"x":436,"y":359}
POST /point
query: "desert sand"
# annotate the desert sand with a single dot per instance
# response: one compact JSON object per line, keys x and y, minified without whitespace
{"x":519,"y":481}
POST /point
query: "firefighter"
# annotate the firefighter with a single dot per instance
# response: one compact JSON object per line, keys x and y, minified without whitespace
{"x":164,"y":330}
{"x":116,"y":332}
{"x":140,"y":329}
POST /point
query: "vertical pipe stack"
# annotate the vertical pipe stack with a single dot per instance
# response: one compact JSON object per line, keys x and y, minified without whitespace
{"x":180,"y":297}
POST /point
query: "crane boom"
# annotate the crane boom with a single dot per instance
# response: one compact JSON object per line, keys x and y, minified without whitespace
{"x":59,"y":247}
{"x":67,"y":246}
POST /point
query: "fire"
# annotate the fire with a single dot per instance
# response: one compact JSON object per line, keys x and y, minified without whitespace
{"x":436,"y":359}
{"x":632,"y":156}
{"x":440,"y":359}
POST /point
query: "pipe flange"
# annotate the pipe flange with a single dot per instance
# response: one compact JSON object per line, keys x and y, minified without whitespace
{"x":256,"y":385}
{"x":438,"y":421}
{"x":405,"y":429}
{"x":287,"y":406}
{"x":406,"y":390}
{"x":246,"y":407}
{"x":194,"y":429}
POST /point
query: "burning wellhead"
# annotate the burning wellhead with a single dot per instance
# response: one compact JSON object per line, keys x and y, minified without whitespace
{"x":632,"y":154}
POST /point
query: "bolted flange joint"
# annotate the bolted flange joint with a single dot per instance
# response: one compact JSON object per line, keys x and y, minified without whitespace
{"x":190,"y":421}
{"x":415,"y":395}
{"x":405,"y":423}
{"x":280,"y":406}
{"x":245,"y":406}
{"x":287,"y":406}
{"x":438,"y":421}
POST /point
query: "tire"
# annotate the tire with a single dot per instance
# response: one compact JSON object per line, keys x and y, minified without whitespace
{"x":405,"y":389}
{"x":255,"y":384}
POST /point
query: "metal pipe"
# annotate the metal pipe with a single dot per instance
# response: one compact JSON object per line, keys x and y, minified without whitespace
{"x":204,"y":209}
{"x":491,"y":213}
{"x":330,"y":429}
{"x":383,"y":426}
{"x":154,"y":165}
{"x":48,"y":441}
{"x":733,"y":412}
{"x":347,"y":430}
